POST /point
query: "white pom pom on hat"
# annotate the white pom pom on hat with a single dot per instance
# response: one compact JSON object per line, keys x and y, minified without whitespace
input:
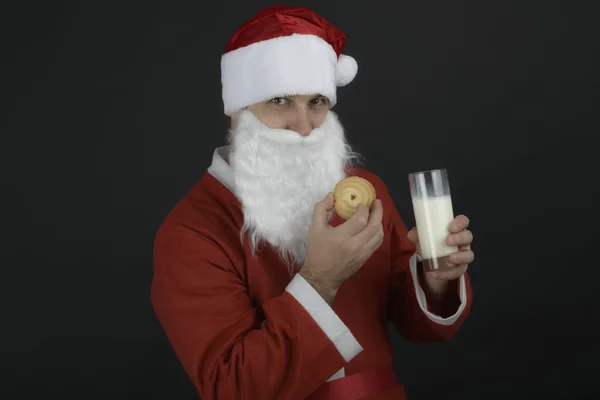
{"x":284,"y":51}
{"x":346,"y":70}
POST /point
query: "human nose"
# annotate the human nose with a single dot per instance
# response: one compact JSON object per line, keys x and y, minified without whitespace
{"x":302,"y":123}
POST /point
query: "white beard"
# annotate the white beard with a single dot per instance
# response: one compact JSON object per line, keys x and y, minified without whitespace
{"x":280,"y":175}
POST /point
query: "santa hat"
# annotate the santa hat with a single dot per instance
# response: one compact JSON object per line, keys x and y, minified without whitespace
{"x":284,"y":51}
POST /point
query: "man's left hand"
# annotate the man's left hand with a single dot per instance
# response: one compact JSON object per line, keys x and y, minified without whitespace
{"x":459,"y":236}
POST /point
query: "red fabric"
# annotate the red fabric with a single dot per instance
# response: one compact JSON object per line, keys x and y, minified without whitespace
{"x":276,"y":21}
{"x":365,"y":384}
{"x":236,"y":331}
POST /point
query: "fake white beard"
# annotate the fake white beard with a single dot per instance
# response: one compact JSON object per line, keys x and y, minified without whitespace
{"x":280,"y":175}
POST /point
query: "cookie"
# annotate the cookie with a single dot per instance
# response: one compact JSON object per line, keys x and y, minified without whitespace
{"x":350,"y":192}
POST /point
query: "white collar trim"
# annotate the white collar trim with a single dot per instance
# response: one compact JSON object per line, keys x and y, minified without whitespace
{"x":220,"y":169}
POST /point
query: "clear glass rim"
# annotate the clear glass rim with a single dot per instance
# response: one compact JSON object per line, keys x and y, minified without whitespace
{"x":428,"y":171}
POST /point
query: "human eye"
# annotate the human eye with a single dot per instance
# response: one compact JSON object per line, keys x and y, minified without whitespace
{"x":278,"y":101}
{"x":319,"y":101}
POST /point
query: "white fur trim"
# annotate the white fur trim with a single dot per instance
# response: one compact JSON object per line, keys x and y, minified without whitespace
{"x":346,"y":70}
{"x":287,"y":65}
{"x":340,"y":374}
{"x":423,"y":301}
{"x":325,"y":317}
{"x":220,"y":169}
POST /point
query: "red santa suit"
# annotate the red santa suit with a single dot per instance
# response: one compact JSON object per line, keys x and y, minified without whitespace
{"x":244,"y":329}
{"x":242,"y":326}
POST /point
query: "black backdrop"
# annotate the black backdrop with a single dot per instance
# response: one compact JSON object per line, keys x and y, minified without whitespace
{"x":112,"y":112}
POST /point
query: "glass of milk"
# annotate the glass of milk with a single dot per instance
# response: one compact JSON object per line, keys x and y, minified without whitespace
{"x":432,"y":205}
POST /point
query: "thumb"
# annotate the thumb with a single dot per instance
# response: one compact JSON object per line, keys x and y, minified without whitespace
{"x":321,"y":210}
{"x":413,"y":235}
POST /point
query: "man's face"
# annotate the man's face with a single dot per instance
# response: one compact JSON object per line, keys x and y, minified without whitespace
{"x":299,"y":113}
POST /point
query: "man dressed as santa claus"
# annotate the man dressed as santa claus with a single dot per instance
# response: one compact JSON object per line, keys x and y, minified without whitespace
{"x":263,"y":290}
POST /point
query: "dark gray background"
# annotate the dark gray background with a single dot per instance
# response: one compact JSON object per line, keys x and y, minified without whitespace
{"x":112,"y":112}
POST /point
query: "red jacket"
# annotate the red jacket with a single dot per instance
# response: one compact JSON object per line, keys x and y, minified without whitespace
{"x":244,"y":329}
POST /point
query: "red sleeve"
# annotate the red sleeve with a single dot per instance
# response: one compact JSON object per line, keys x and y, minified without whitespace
{"x":408,"y":308}
{"x":227,"y":351}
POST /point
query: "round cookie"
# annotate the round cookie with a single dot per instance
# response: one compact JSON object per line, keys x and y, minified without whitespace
{"x":350,"y":192}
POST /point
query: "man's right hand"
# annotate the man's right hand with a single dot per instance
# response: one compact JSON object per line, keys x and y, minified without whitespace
{"x":335,"y":254}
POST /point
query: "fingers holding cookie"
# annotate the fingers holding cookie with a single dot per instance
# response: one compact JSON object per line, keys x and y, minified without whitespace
{"x":372,"y":234}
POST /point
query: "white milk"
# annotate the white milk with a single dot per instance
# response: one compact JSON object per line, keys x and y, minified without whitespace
{"x":433,"y":216}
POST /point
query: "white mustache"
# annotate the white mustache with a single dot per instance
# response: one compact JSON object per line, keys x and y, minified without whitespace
{"x":286,"y":136}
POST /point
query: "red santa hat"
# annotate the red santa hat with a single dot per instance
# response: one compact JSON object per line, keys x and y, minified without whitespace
{"x":284,"y":51}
